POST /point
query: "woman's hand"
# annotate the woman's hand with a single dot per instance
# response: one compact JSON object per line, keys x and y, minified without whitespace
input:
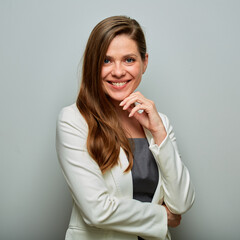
{"x":173,"y":219}
{"x":149,"y":118}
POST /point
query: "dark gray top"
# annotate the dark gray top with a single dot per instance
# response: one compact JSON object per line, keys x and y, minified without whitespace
{"x":144,"y":171}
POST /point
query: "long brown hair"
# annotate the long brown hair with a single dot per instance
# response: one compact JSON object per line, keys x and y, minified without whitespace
{"x":105,"y":135}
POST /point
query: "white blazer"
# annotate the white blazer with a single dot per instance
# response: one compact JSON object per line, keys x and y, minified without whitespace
{"x":103,"y":205}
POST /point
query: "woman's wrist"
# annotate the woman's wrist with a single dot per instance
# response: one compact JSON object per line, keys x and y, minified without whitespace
{"x":159,"y":135}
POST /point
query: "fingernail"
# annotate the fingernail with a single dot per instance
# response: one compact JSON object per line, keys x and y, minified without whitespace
{"x":121,"y":103}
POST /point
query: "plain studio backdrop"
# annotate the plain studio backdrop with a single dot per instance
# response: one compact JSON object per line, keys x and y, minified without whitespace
{"x":193,"y":77}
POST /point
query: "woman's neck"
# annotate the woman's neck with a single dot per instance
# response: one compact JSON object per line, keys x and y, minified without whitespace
{"x":131,"y":126}
{"x":122,"y":114}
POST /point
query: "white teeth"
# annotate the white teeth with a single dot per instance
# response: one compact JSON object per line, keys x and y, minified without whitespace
{"x":118,"y":84}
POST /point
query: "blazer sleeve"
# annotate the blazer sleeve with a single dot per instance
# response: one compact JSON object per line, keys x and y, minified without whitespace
{"x":98,"y":207}
{"x":178,"y":190}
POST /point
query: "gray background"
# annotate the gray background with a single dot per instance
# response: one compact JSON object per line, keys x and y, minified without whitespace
{"x":193,"y":77}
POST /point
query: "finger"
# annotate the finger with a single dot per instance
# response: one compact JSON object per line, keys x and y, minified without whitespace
{"x":131,"y":96}
{"x":137,"y":94}
{"x":178,"y":218}
{"x":132,"y":100}
{"x":137,"y":109}
{"x":125,"y":100}
{"x":129,"y":109}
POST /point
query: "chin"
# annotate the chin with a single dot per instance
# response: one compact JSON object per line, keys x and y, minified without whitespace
{"x":116,"y":99}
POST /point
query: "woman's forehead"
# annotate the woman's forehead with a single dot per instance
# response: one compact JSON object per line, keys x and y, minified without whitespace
{"x":122,"y":45}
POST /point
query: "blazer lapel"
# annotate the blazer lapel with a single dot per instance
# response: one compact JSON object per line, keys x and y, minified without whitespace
{"x":123,"y":180}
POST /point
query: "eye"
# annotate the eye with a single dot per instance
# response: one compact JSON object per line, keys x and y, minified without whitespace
{"x":130,"y":60}
{"x":106,"y":61}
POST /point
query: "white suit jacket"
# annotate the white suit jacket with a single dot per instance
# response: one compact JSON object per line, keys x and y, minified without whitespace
{"x":103,"y":204}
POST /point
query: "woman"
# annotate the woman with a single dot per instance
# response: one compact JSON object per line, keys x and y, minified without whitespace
{"x":118,"y":154}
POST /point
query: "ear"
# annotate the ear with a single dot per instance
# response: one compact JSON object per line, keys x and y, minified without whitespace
{"x":145,"y":63}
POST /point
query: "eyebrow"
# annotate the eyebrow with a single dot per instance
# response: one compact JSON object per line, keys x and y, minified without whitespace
{"x":125,"y":56}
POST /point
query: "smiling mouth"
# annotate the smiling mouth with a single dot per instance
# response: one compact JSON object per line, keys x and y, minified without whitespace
{"x":118,"y":84}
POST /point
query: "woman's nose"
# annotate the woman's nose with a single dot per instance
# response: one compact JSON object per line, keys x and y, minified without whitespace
{"x":118,"y":70}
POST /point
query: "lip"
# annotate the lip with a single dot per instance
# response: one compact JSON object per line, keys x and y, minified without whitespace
{"x":119,"y":81}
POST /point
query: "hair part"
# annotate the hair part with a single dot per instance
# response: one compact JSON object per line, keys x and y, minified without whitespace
{"x":105,"y":135}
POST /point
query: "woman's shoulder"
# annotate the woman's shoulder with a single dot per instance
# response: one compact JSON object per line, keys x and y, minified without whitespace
{"x":70,"y":114}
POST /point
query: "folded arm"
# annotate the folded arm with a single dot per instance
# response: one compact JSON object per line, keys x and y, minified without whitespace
{"x":97,"y":205}
{"x":178,"y":189}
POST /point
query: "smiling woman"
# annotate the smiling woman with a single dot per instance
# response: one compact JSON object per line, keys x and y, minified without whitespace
{"x":122,"y":166}
{"x":123,"y":68}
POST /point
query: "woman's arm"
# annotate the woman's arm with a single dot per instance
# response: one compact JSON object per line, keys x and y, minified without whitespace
{"x":97,"y":205}
{"x":178,"y":189}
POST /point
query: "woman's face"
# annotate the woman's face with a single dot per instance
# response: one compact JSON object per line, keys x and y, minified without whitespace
{"x":122,"y":68}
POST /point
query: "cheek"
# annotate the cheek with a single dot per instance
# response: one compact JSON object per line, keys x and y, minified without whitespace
{"x":105,"y":86}
{"x":105,"y":71}
{"x":138,"y":74}
{"x":137,"y":71}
